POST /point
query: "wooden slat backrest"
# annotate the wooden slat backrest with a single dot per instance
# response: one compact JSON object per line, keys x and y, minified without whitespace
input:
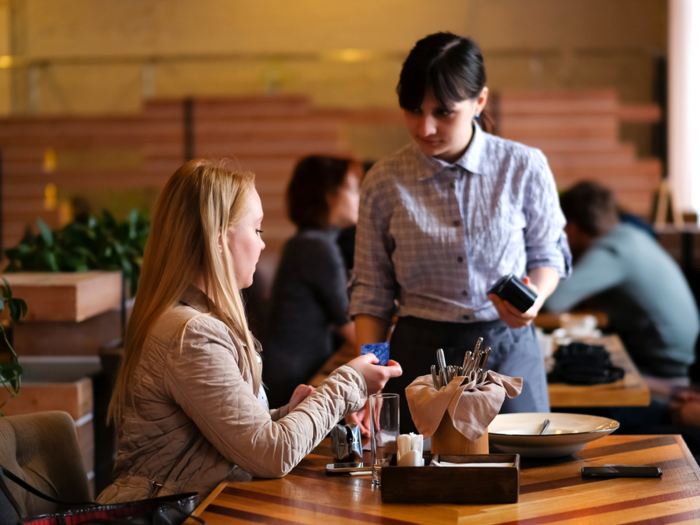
{"x":578,"y":131}
{"x":266,"y":135}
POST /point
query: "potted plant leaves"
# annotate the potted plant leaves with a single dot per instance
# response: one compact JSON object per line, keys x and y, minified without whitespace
{"x":11,"y":371}
{"x":94,"y":243}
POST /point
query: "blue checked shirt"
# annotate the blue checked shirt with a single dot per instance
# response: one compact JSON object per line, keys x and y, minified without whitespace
{"x":437,"y":236}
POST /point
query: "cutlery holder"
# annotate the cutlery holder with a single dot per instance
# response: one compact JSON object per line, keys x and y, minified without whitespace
{"x":448,"y":440}
{"x":469,"y":484}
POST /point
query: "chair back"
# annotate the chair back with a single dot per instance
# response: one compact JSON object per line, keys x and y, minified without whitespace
{"x":43,"y":450}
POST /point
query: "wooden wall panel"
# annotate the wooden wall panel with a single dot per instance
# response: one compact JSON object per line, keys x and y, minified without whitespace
{"x":578,"y":131}
{"x":266,"y":135}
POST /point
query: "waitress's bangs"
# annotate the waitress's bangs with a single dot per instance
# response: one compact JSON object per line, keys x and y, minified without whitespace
{"x":444,"y":79}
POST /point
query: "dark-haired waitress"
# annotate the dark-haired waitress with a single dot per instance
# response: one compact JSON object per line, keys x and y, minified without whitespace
{"x":444,"y":218}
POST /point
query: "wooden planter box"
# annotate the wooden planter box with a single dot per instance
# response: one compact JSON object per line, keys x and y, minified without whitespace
{"x":65,"y":338}
{"x":70,"y":297}
{"x":60,"y":383}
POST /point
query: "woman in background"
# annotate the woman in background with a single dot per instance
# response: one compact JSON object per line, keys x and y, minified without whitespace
{"x":188,"y":403}
{"x":309,"y":302}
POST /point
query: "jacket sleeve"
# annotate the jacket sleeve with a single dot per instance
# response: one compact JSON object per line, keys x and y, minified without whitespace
{"x":278,"y":413}
{"x":205,"y":381}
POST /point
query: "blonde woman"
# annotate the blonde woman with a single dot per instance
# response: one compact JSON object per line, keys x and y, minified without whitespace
{"x":188,"y":402}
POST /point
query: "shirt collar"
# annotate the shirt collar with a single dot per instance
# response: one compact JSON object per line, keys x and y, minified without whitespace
{"x":470,"y":161}
{"x":196,"y":298}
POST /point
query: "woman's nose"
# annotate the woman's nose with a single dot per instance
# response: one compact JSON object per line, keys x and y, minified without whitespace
{"x":426,"y":126}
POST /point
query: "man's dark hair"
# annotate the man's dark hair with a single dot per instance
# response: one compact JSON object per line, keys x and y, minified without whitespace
{"x":314,"y":178}
{"x":591,"y":207}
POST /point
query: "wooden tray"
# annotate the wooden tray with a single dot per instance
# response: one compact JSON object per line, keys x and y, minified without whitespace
{"x":475,"y":485}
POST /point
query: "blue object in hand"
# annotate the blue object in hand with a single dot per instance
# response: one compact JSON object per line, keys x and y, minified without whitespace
{"x":381,"y":350}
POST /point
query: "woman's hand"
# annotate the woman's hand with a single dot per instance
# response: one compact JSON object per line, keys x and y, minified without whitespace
{"x":361,"y":419}
{"x":375,"y":376}
{"x":513,"y":317}
{"x":300,"y":393}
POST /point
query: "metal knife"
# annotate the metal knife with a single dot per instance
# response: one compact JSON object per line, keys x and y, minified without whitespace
{"x":474,"y":361}
{"x":443,"y":365}
{"x":436,"y":381}
{"x":481,"y":369}
{"x":474,"y":364}
{"x":467,"y":358}
{"x":484,"y":358}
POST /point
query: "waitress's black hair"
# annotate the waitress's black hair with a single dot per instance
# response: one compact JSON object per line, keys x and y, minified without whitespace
{"x":314,"y":178}
{"x":448,"y":66}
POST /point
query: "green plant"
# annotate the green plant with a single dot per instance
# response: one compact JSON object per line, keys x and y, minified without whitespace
{"x":11,"y":372}
{"x":96,"y":243}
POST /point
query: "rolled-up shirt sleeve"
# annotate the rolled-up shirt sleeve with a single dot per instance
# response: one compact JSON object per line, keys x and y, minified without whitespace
{"x":373,"y":286}
{"x":545,"y":241}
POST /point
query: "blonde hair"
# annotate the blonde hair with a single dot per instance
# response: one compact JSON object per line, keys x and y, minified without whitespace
{"x":199,"y":203}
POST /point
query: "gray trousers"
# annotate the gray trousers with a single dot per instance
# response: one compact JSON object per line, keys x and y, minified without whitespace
{"x":514,"y":352}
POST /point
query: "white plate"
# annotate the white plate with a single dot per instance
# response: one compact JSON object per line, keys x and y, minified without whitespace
{"x":567,"y":433}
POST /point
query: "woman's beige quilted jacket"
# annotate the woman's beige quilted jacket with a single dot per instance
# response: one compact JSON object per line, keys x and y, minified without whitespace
{"x":196,"y":420}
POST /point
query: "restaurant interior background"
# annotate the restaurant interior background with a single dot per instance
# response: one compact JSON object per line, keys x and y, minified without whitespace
{"x":100,"y":101}
{"x":83,"y":58}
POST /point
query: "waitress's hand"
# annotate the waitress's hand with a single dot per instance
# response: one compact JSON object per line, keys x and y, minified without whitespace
{"x":513,"y":317}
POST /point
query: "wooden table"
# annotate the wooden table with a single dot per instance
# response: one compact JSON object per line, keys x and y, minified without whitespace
{"x":550,"y":492}
{"x":631,"y":390}
{"x":551,"y":321}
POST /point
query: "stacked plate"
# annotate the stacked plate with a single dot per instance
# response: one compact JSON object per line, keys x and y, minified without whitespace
{"x":566,"y":433}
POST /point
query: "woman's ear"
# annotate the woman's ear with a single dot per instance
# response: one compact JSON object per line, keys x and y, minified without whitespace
{"x":331,"y":202}
{"x":481,"y":102}
{"x":220,"y":240}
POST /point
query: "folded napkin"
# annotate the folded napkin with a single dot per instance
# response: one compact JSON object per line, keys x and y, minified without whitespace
{"x":471,"y":405}
{"x":410,"y":450}
{"x":435,"y":463}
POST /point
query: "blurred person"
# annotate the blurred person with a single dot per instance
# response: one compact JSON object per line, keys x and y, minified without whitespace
{"x":188,"y":402}
{"x":685,"y":409}
{"x":443,"y":219}
{"x":634,"y":281}
{"x":346,"y":237}
{"x":309,"y":300}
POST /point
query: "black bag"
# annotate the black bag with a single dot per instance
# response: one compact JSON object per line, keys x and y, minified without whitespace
{"x":583,"y":364}
{"x":166,"y":510}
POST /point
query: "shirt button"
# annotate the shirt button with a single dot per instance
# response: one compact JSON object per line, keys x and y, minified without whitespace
{"x":465,"y":317}
{"x":456,"y":223}
{"x":464,"y":292}
{"x":452,"y":185}
{"x":459,"y":259}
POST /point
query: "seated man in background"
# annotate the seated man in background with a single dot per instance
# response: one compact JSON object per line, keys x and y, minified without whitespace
{"x":634,"y":281}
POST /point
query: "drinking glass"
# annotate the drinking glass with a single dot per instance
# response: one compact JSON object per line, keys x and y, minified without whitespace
{"x":384,"y":429}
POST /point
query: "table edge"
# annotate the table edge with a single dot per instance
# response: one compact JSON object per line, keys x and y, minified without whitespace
{"x":211,"y":497}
